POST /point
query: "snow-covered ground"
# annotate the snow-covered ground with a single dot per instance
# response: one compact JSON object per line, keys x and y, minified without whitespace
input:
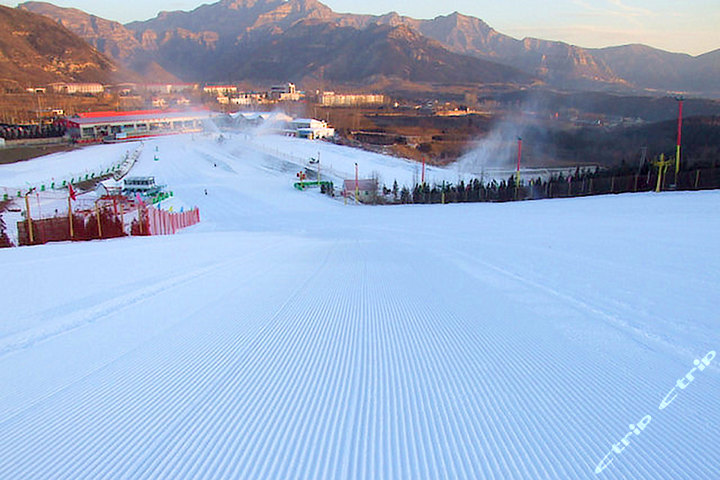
{"x":291,"y":336}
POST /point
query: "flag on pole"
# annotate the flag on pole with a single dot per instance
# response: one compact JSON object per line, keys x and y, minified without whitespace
{"x":72,"y":192}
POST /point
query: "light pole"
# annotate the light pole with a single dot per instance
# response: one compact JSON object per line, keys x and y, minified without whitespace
{"x":679,"y":137}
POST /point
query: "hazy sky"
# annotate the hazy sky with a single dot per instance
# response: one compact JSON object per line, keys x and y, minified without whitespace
{"x":691,"y":26}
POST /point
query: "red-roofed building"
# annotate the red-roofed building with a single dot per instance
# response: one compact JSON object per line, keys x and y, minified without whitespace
{"x":117,"y":126}
{"x":367,"y":189}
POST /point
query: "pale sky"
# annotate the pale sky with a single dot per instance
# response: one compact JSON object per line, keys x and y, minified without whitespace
{"x":689,"y":26}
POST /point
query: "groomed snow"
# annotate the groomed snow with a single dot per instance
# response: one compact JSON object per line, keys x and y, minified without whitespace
{"x":291,"y":336}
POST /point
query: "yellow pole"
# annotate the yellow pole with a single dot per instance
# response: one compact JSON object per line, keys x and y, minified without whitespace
{"x":662,"y":167}
{"x":679,"y":137}
{"x":29,"y":220}
{"x":97,"y":216}
{"x":70,"y":219}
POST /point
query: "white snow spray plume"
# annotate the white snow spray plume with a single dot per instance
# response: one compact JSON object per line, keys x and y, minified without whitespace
{"x":261,"y":123}
{"x":496,"y":151}
{"x":495,"y":155}
{"x":211,"y":127}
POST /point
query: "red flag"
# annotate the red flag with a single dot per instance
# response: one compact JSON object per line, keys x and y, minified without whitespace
{"x":72,"y":192}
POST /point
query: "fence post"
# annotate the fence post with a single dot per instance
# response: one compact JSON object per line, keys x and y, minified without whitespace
{"x":29,"y":220}
{"x":697,"y":178}
{"x":140,"y":222}
{"x":97,"y":217}
{"x":147,"y":219}
{"x":70,"y":219}
{"x":612,"y":184}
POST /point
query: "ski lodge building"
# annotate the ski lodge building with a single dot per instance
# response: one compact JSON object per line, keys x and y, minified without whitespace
{"x":119,"y":126}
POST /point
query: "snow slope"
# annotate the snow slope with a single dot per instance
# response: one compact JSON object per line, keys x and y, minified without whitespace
{"x":61,"y":166}
{"x":291,"y":336}
{"x":339,"y":162}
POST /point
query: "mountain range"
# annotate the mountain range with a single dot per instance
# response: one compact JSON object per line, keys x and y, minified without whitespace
{"x":301,"y":40}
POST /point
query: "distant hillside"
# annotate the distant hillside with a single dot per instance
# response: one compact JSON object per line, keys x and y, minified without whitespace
{"x":36,"y":50}
{"x":559,"y":64}
{"x":111,"y":38}
{"x":277,"y":40}
{"x":658,"y":69}
{"x":206,"y":43}
{"x":371,"y":54}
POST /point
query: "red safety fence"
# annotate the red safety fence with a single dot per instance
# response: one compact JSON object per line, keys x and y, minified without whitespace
{"x":162,"y":222}
{"x":112,"y":217}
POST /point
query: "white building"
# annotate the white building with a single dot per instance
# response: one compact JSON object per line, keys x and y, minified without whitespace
{"x":285,"y":92}
{"x":248,"y":98}
{"x":75,"y":88}
{"x":332,"y":99}
{"x":311,"y":129}
{"x":219,"y":90}
{"x":169,"y":88}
